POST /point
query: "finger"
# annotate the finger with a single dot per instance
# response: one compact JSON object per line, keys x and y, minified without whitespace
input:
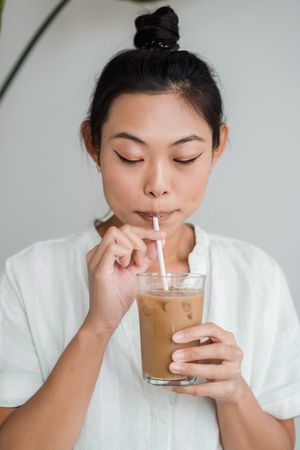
{"x":211,"y":371}
{"x":219,"y":351}
{"x":217,"y":390}
{"x":208,"y":329}
{"x":125,"y":242}
{"x":90,"y":254}
{"x":147,"y":255}
{"x":112,"y":236}
{"x":151,"y":252}
{"x":144,"y":248}
{"x":112,"y":252}
{"x":116,"y":235}
{"x":134,"y":237}
{"x":188,"y":390}
{"x":139,"y":245}
{"x":150,"y":256}
{"x":144,"y":233}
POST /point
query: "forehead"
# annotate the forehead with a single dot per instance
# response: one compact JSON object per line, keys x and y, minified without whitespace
{"x":163,"y":113}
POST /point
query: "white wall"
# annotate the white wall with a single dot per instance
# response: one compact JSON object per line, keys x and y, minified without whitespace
{"x":49,"y":188}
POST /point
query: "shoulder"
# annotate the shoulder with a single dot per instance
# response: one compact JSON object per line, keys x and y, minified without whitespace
{"x":249,"y":272}
{"x":240,"y":255}
{"x":240,"y":250}
{"x":42,"y":254}
{"x":46,"y":248}
{"x":45,"y":272}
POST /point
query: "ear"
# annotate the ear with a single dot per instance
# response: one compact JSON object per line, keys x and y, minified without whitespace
{"x":218,"y":151}
{"x":87,"y":139}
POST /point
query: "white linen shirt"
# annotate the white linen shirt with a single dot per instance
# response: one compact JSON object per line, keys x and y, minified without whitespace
{"x":44,"y":300}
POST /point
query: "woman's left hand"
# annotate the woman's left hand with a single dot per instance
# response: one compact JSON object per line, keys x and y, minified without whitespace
{"x":219,"y":362}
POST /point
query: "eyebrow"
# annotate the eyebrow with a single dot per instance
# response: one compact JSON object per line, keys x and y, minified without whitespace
{"x":124,"y":135}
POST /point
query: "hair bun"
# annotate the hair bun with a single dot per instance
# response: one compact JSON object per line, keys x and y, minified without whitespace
{"x":157,"y":30}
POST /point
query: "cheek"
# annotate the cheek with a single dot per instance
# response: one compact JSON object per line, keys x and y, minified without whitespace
{"x":193,"y":187}
{"x":118,"y":186}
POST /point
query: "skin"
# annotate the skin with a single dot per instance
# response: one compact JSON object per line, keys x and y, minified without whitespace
{"x":158,"y":182}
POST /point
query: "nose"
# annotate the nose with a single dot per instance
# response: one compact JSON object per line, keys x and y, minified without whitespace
{"x":158,"y":181}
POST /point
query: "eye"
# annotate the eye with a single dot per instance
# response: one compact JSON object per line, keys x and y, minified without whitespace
{"x":135,"y":161}
{"x":127,"y":161}
{"x":187,"y":161}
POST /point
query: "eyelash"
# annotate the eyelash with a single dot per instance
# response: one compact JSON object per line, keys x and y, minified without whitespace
{"x":132,"y":162}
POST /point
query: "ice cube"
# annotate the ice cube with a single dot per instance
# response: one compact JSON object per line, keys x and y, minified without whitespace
{"x":146,"y":310}
{"x":163,"y":306}
{"x":186,"y":306}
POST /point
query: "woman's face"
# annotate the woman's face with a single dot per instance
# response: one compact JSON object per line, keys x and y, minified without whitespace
{"x":156,"y":157}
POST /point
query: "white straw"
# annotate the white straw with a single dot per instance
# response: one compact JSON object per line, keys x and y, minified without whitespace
{"x":160,"y":255}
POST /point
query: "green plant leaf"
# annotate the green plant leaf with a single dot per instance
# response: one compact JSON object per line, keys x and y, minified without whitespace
{"x":30,"y":45}
{"x":1,"y":9}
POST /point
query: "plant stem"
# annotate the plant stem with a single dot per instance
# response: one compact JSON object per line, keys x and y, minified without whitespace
{"x":1,"y":9}
{"x":30,"y":46}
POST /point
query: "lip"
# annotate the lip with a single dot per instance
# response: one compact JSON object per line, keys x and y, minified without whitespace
{"x":148,"y":216}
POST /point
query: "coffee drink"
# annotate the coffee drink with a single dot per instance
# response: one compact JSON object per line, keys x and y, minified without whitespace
{"x":161,"y":314}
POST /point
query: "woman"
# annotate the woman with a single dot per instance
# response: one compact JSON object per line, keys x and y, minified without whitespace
{"x":70,"y":359}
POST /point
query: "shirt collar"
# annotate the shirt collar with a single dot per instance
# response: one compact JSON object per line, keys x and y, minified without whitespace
{"x":198,"y":258}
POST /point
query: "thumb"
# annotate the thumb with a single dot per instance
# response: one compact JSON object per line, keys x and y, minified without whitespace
{"x":152,"y":252}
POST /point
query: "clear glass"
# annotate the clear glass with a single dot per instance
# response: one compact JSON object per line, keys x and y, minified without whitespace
{"x":162,"y":313}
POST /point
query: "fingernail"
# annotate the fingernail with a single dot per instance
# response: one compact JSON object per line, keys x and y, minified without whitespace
{"x":177,"y":368}
{"x":178,"y":337}
{"x":178,"y":355}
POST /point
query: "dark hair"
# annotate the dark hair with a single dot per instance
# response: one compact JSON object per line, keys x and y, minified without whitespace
{"x":157,"y":66}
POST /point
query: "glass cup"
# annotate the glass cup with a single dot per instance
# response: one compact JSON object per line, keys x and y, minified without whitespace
{"x":161,"y":314}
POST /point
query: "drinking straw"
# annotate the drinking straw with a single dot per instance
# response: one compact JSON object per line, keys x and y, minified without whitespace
{"x":160,"y":256}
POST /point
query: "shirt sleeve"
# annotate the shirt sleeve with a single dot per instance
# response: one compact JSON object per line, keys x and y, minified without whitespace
{"x":20,"y":374}
{"x":279,"y":393}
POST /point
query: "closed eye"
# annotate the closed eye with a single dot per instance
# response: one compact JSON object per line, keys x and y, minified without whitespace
{"x":187,"y":161}
{"x":135,"y":161}
{"x":127,"y":161}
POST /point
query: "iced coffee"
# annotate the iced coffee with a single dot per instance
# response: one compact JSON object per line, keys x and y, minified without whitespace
{"x":161,"y":314}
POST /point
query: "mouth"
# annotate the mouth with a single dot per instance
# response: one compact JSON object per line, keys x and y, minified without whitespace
{"x":148,"y":215}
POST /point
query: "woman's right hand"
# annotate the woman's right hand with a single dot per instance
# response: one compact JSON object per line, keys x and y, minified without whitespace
{"x":113,"y":282}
